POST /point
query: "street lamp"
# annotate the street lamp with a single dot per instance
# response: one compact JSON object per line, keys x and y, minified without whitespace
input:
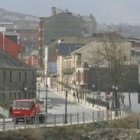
{"x":38,"y":90}
{"x":66,"y":95}
{"x":46,"y":109}
{"x":115,"y":90}
{"x":93,"y":86}
{"x":3,"y":29}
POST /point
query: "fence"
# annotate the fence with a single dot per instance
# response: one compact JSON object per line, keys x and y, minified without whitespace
{"x":51,"y":120}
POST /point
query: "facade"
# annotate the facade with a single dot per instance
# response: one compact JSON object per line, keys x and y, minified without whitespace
{"x":102,"y":80}
{"x":17,"y":80}
{"x":33,"y":59}
{"x":28,"y":38}
{"x":58,"y":48}
{"x":72,"y":73}
{"x":90,"y":22}
{"x":135,"y":50}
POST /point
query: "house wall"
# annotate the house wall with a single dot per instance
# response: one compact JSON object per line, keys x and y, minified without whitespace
{"x":101,"y":78}
{"x":91,"y":52}
{"x":13,"y":83}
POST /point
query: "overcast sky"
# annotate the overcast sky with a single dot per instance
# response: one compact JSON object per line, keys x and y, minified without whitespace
{"x":105,"y":11}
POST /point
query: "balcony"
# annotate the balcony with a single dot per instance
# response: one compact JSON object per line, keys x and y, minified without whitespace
{"x":68,"y":71}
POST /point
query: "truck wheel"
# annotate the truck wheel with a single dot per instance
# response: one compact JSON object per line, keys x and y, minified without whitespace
{"x":32,"y":120}
{"x":16,"y":121}
{"x":41,"y":119}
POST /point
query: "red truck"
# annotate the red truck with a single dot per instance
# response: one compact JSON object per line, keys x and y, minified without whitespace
{"x":27,"y":110}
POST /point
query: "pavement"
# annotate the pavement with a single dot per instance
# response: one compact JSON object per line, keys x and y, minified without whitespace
{"x":6,"y":120}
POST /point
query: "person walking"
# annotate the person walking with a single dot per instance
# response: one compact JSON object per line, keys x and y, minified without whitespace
{"x":108,"y":112}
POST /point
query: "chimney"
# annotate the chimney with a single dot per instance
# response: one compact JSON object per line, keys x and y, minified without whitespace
{"x":53,"y":11}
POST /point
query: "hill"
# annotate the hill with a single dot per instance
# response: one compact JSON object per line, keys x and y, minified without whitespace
{"x":15,"y":16}
{"x":18,"y":19}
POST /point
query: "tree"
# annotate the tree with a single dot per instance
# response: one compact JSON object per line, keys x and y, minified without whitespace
{"x":115,"y":55}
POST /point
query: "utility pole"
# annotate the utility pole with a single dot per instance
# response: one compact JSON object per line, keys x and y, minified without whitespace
{"x":66,"y":95}
{"x":46,"y":109}
{"x":38,"y":90}
{"x":115,"y":91}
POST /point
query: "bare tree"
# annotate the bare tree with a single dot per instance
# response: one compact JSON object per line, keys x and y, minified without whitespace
{"x":113,"y":54}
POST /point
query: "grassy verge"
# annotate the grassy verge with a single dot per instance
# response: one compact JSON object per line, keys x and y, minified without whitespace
{"x":118,"y":129}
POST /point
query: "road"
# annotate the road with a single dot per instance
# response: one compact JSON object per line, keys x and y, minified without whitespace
{"x":76,"y":112}
{"x":58,"y":103}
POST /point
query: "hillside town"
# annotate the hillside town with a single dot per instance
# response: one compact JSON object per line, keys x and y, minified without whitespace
{"x":70,"y":55}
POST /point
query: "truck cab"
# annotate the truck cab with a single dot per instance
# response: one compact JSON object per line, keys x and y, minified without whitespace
{"x":25,"y":109}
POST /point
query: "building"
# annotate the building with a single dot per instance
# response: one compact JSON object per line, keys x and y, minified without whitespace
{"x":32,"y":59}
{"x":62,"y":24}
{"x":26,"y":31}
{"x":135,"y":50}
{"x":90,"y":60}
{"x":62,"y":48}
{"x":102,"y":80}
{"x":18,"y":80}
{"x":71,"y":72}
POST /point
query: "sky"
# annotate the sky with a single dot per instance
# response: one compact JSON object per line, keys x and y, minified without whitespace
{"x":105,"y":11}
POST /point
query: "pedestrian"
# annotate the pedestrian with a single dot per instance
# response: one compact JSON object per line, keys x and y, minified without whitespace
{"x":108,"y":112}
{"x":78,"y":97}
{"x":74,"y":96}
{"x":10,"y":111}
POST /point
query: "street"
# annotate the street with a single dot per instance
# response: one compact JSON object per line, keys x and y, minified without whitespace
{"x":58,"y":103}
{"x":76,"y":113}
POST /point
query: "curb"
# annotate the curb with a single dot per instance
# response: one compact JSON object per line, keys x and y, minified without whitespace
{"x":6,"y":120}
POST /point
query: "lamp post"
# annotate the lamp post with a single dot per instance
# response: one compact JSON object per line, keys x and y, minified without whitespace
{"x":3,"y":29}
{"x":115,"y":90}
{"x":66,"y":95}
{"x":38,"y":90}
{"x":46,"y":109}
{"x":93,"y":86}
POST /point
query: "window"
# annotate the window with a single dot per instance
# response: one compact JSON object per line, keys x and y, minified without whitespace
{"x":33,"y":76}
{"x":19,"y":76}
{"x":4,"y":76}
{"x":10,"y":96}
{"x":25,"y":76}
{"x":10,"y":77}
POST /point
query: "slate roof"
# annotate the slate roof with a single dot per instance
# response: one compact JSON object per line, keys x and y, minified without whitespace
{"x":66,"y":43}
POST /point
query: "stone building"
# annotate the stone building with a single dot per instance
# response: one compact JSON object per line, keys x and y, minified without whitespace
{"x":63,"y":24}
{"x":17,"y":79}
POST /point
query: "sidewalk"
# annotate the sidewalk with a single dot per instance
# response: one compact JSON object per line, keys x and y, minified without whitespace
{"x":6,"y":120}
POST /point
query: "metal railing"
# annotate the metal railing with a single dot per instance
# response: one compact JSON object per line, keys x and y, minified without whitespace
{"x":51,"y":120}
